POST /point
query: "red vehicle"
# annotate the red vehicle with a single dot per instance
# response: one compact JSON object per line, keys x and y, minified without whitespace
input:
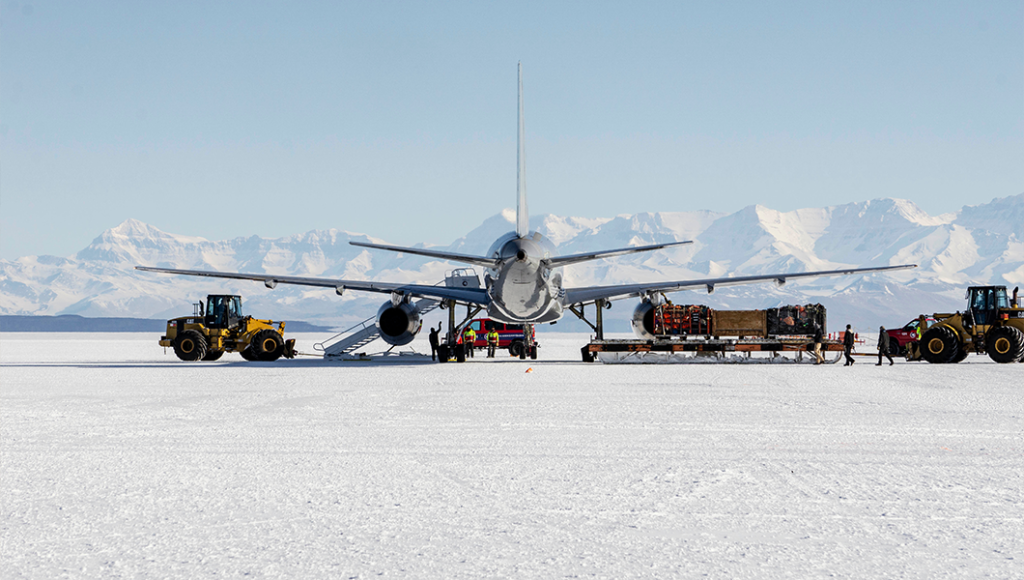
{"x":510,"y":336}
{"x":899,"y":338}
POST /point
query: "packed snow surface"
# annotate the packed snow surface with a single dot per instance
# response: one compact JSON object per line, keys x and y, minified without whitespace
{"x":119,"y":461}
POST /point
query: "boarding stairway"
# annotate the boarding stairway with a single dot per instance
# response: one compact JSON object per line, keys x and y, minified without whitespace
{"x":350,"y":340}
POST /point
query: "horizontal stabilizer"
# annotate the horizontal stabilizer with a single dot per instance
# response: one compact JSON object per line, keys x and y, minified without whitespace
{"x":577,"y":258}
{"x":464,"y":258}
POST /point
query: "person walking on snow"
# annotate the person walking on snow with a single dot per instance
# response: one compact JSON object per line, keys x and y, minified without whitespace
{"x":848,"y":345}
{"x":883,"y":346}
{"x":818,"y":359}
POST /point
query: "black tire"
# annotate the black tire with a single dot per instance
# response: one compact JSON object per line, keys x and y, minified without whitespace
{"x":533,"y":352}
{"x":587,"y":355}
{"x":460,"y":353}
{"x":517,"y":348}
{"x":190,"y":346}
{"x":212,"y":355}
{"x":268,"y":345}
{"x":960,"y":356}
{"x":248,"y":354}
{"x":442,"y":353}
{"x":940,"y":345}
{"x":1005,"y":344}
{"x":894,"y":347}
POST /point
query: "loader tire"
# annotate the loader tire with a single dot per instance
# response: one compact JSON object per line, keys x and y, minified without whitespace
{"x":940,"y":345}
{"x":248,"y":355}
{"x":190,"y":346}
{"x":268,"y":345}
{"x":1005,"y":344}
{"x":212,"y":355}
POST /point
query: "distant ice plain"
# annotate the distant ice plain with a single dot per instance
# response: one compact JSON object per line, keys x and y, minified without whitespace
{"x":119,"y":461}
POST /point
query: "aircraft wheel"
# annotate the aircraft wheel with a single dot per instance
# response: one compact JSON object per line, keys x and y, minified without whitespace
{"x":212,"y":355}
{"x":517,"y":348}
{"x":533,"y":352}
{"x":1005,"y":344}
{"x":460,"y":353}
{"x":267,"y":345}
{"x":190,"y":346}
{"x":940,"y":345}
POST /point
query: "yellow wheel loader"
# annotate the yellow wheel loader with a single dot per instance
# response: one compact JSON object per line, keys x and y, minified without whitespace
{"x":219,"y":327}
{"x":990,"y":325}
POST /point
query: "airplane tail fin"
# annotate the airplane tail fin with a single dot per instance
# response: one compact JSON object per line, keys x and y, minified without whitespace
{"x":522,"y":213}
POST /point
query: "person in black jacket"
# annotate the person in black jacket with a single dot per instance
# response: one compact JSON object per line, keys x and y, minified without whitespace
{"x":883,"y":346}
{"x":848,"y":345}
{"x":818,"y":338}
{"x":434,"y":332}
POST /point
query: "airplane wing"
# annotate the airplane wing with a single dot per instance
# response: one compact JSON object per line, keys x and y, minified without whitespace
{"x":471,"y":295}
{"x":589,"y":294}
{"x":464,"y":258}
{"x":577,"y":258}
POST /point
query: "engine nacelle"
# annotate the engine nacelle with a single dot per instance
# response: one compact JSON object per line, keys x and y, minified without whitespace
{"x":398,"y":325}
{"x":643,"y":320}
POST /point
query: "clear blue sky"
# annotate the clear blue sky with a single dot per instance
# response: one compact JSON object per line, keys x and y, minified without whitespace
{"x":397,"y":119}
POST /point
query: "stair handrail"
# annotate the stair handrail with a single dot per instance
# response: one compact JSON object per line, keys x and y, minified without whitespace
{"x":358,"y":327}
{"x":364,"y":324}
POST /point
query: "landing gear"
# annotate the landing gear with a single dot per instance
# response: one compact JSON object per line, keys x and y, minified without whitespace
{"x":597,"y":326}
{"x":529,"y":347}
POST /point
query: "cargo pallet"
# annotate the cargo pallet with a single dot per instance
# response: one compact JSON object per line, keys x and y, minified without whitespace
{"x":708,"y":350}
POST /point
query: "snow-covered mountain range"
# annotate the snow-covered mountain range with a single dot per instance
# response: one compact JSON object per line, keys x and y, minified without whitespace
{"x":982,"y":244}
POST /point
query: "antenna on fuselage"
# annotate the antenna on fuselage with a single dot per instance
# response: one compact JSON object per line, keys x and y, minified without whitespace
{"x":522,"y":214}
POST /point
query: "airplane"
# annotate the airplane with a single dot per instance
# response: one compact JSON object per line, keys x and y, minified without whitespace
{"x":523,"y":284}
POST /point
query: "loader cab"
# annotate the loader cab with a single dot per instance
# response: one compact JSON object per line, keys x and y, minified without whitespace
{"x":984,"y":303}
{"x":223,"y":311}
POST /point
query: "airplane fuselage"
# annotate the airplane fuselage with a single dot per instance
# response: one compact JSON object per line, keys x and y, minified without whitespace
{"x":522,"y":288}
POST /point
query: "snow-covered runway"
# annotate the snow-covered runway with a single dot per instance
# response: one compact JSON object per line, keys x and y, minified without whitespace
{"x":120,"y":461}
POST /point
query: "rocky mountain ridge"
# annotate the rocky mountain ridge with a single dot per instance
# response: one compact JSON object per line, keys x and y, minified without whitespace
{"x":982,"y":244}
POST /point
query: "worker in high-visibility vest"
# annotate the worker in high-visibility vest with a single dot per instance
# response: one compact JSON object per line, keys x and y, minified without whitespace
{"x":468,"y":340}
{"x":492,"y":342}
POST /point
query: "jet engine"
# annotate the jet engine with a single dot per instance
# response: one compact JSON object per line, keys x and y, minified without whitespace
{"x":398,"y":323}
{"x":643,"y":320}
